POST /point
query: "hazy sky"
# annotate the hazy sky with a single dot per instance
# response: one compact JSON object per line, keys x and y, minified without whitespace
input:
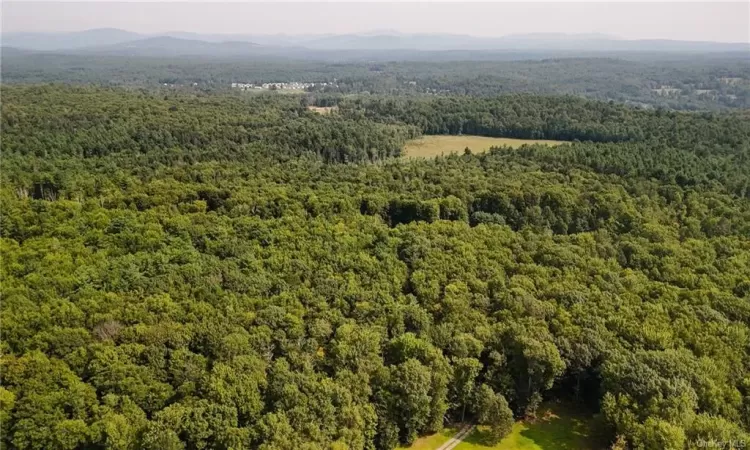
{"x":727,"y":22}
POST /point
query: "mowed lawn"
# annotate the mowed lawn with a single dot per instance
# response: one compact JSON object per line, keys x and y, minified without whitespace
{"x":428,"y":146}
{"x":556,"y":428}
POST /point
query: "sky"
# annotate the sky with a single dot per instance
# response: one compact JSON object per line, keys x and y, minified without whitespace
{"x":706,"y":21}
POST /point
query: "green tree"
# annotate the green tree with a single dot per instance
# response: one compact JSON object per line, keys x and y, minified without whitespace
{"x":492,"y":409}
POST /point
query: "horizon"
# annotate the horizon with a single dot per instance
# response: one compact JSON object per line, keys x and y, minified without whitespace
{"x":374,"y":32}
{"x":393,"y":32}
{"x":699,"y":22}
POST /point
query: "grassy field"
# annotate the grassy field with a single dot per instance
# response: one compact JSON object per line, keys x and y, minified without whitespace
{"x":428,"y":146}
{"x":432,"y":442}
{"x":323,"y":109}
{"x":556,"y":428}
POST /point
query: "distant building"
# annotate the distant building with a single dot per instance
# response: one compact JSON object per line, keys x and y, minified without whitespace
{"x":290,"y":85}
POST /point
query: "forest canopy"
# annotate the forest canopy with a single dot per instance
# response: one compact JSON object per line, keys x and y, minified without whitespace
{"x":674,"y":81}
{"x":187,"y":270}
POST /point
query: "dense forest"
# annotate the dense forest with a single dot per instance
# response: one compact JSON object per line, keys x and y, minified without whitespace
{"x":215,"y":270}
{"x":672,"y":81}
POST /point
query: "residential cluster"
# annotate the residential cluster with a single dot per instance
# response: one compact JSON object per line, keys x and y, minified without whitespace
{"x":292,"y":85}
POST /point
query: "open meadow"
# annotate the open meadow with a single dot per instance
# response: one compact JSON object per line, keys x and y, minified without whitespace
{"x":557,"y":427}
{"x":323,"y":109}
{"x":429,"y":146}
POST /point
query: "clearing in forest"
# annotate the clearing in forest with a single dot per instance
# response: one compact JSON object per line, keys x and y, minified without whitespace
{"x":556,"y":428}
{"x":323,"y":109}
{"x":432,"y":441}
{"x":428,"y":146}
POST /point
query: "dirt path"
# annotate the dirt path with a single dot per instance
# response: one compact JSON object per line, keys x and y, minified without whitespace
{"x":457,"y":438}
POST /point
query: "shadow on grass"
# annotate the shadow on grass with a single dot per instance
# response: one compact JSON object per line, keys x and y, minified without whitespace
{"x":480,"y":438}
{"x":551,"y":431}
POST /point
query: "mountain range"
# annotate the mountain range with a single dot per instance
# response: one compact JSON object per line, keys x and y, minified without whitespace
{"x":122,"y":42}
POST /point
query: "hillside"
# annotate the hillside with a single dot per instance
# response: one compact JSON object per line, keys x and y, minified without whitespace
{"x":171,"y":47}
{"x":387,"y":40}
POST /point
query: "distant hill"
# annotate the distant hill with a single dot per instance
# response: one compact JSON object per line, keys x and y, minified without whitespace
{"x":434,"y":42}
{"x":67,"y":41}
{"x":115,"y":41}
{"x":13,"y":51}
{"x":666,"y":45}
{"x":534,"y":41}
{"x":171,"y":46}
